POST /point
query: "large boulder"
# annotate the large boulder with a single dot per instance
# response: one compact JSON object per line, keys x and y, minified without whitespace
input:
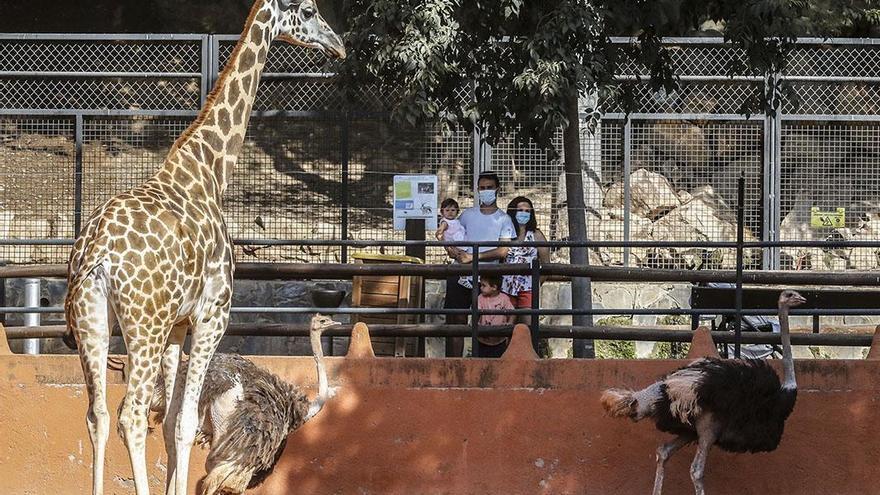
{"x":705,"y":218}
{"x":651,"y":194}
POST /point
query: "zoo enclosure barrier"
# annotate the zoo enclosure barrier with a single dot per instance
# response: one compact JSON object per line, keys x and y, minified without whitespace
{"x":83,"y":117}
{"x":537,"y":271}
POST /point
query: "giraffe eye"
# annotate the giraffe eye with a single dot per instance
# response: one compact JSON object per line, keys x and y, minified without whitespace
{"x":308,"y":12}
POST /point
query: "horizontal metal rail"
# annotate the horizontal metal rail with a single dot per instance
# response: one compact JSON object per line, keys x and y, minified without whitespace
{"x":90,"y":74}
{"x":545,"y":312}
{"x":65,"y":241}
{"x":718,"y":40}
{"x":337,"y":271}
{"x":103,"y":36}
{"x":598,"y":332}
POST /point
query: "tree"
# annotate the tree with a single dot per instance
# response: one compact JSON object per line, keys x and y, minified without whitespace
{"x":527,"y":63}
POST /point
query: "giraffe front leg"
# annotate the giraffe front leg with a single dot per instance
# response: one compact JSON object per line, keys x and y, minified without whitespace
{"x":207,"y":332}
{"x":172,"y":396}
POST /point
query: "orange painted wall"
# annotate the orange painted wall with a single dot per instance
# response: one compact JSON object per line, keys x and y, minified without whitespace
{"x":420,"y":426}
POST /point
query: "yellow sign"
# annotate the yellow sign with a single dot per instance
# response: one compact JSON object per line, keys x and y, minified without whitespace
{"x":402,"y":190}
{"x":833,"y":219}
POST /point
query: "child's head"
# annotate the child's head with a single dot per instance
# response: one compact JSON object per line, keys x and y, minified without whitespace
{"x":490,"y":285}
{"x":449,"y":209}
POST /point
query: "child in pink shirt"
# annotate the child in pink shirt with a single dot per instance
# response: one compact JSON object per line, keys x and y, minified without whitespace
{"x":491,"y":297}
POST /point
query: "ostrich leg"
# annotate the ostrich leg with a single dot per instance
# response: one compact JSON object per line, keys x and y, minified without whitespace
{"x":664,"y":452}
{"x":707,"y":434}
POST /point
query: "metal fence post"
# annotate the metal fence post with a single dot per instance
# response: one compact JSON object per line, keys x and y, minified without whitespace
{"x":627,"y":187}
{"x":31,"y":300}
{"x":776,"y":218}
{"x":77,"y":174}
{"x":205,"y":83}
{"x":740,"y":231}
{"x":214,"y":60}
{"x":475,"y":292}
{"x":771,"y":184}
{"x":536,"y":303}
{"x":344,"y":158}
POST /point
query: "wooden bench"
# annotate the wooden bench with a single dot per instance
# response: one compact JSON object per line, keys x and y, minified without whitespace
{"x":766,"y":298}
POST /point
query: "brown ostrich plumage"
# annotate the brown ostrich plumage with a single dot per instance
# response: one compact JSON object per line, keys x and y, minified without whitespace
{"x":246,"y":414}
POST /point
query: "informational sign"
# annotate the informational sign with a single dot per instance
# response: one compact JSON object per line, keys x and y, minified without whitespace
{"x":823,"y":219}
{"x":415,"y":196}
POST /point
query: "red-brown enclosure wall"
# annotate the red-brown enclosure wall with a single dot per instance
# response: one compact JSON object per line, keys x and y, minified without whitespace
{"x":423,"y":426}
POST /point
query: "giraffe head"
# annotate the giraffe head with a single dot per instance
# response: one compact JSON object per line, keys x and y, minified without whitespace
{"x":301,"y":24}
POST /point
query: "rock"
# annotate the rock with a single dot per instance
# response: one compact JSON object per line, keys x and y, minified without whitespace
{"x":705,"y":218}
{"x":651,"y":194}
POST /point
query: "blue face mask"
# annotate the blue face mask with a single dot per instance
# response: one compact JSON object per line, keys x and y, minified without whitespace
{"x":487,"y":196}
{"x":523,"y":217}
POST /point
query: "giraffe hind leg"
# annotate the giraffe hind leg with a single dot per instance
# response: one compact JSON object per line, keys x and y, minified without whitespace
{"x":90,"y":320}
{"x":144,"y":353}
{"x":171,"y":392}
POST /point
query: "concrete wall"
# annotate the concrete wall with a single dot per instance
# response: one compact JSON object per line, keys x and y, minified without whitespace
{"x":452,"y":426}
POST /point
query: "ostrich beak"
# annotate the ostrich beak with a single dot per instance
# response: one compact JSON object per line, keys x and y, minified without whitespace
{"x":799,"y":299}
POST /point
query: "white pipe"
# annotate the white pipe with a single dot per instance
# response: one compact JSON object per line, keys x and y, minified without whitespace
{"x":32,"y":299}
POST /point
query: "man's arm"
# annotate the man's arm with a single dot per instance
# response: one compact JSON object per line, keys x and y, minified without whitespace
{"x":498,"y":253}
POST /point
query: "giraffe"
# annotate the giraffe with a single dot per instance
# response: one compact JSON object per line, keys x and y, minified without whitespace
{"x":158,"y":259}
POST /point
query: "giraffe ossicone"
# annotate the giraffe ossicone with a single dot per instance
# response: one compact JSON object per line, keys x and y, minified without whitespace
{"x":159,"y":260}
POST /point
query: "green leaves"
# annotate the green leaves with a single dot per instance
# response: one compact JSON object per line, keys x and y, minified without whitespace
{"x":506,"y":65}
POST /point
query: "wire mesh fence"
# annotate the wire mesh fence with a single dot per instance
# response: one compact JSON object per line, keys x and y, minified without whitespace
{"x":37,"y":187}
{"x":88,"y":116}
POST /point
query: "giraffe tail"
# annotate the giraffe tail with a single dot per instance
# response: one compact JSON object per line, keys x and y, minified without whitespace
{"x":78,"y":269}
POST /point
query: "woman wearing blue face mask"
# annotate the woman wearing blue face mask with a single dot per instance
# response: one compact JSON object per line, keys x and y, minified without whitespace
{"x":519,"y":287}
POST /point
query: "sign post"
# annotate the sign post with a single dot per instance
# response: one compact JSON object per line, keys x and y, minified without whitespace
{"x":415,"y":198}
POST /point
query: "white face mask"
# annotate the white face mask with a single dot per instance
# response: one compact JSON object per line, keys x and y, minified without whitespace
{"x":487,"y":197}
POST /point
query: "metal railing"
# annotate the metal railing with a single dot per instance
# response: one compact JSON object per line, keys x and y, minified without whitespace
{"x":536,"y":271}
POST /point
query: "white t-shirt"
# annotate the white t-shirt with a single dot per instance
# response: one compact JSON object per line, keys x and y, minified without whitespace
{"x":480,"y":227}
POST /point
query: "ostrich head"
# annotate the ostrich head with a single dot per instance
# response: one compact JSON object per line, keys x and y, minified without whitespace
{"x":790,"y":299}
{"x":321,"y":323}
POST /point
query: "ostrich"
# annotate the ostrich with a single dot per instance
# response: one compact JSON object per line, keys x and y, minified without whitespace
{"x":246,"y":414}
{"x":738,"y":405}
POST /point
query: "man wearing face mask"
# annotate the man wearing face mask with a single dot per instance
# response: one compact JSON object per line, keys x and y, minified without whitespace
{"x":485,"y":222}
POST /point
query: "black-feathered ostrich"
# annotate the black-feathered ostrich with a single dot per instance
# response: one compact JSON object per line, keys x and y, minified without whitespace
{"x":738,"y":405}
{"x":246,"y":414}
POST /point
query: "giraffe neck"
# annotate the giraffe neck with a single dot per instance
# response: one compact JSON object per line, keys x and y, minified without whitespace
{"x":208,"y":150}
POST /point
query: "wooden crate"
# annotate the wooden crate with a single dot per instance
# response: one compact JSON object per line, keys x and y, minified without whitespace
{"x":388,"y":291}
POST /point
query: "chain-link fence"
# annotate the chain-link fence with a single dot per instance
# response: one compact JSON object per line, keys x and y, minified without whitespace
{"x":84,"y":117}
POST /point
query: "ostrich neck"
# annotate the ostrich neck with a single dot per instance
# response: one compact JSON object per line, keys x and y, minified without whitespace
{"x":319,"y":364}
{"x":787,"y":358}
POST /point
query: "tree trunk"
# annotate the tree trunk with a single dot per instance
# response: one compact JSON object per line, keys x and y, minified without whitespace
{"x":581,"y":295}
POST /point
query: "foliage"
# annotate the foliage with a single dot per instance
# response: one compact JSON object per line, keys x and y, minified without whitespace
{"x":523,"y":61}
{"x":615,"y":349}
{"x":665,"y":350}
